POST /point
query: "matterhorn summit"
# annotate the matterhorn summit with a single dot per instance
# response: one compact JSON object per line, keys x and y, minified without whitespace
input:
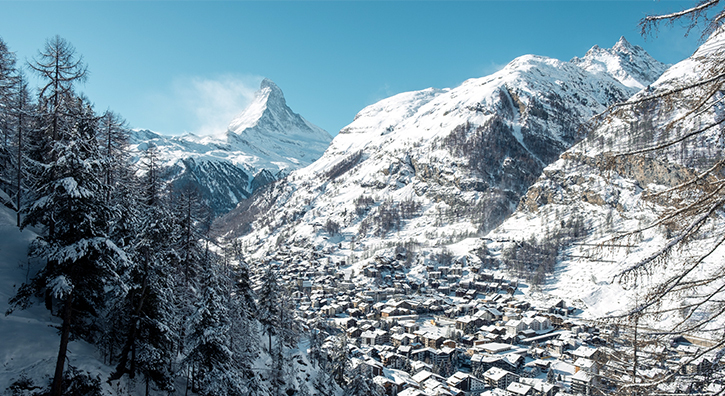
{"x":265,"y":142}
{"x":269,"y":128}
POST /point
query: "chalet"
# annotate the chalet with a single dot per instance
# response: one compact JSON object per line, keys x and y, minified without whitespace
{"x":543,"y":388}
{"x":410,"y":326}
{"x":387,"y":384}
{"x":513,"y":327}
{"x":499,"y":378}
{"x":432,"y":340}
{"x":469,"y":324}
{"x":398,"y":340}
{"x":389,"y":311}
{"x":587,"y":365}
{"x":347,"y":323}
{"x":493,"y":347}
{"x":466,"y":382}
{"x":449,"y":343}
{"x":582,"y":382}
{"x":354,"y":332}
{"x":443,"y":354}
{"x":519,"y":389}
{"x":392,"y":360}
{"x":374,"y":337}
{"x":404,"y":350}
{"x":587,"y":353}
{"x":425,"y":375}
{"x":371,"y":368}
{"x":419,"y":367}
{"x":423,"y":354}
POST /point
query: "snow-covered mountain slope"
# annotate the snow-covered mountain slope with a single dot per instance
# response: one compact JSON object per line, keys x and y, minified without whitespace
{"x":614,"y":193}
{"x":437,"y":164}
{"x":263,"y":143}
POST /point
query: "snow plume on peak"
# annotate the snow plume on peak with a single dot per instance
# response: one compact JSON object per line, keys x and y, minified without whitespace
{"x":629,"y":64}
{"x":268,"y":93}
{"x":267,"y":138}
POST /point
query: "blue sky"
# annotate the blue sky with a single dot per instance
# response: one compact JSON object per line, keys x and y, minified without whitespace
{"x":186,"y":66}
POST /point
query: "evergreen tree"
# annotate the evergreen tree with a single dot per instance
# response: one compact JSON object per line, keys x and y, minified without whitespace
{"x":113,"y":139}
{"x":244,"y":340}
{"x":24,"y":114}
{"x":361,"y":385}
{"x":82,"y":262}
{"x":209,"y":353}
{"x":339,"y":359}
{"x":147,"y":314}
{"x":193,"y":226}
{"x":268,"y":305}
{"x":7,"y":85}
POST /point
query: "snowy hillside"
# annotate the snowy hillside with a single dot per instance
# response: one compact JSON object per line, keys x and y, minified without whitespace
{"x":263,"y":143}
{"x":615,"y":194}
{"x":437,"y":165}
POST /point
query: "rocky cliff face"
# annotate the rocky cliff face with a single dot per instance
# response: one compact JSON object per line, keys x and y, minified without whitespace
{"x":615,"y":185}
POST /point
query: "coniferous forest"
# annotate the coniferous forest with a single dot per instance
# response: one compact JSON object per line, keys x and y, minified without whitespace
{"x":126,"y":263}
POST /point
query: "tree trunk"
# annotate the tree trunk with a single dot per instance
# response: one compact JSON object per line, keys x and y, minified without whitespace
{"x":20,"y":158}
{"x":57,"y":388}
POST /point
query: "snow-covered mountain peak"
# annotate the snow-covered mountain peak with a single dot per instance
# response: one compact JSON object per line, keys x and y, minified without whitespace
{"x":263,"y":143}
{"x":268,"y":96}
{"x":269,"y":125}
{"x":630,"y":64}
{"x":624,"y":46}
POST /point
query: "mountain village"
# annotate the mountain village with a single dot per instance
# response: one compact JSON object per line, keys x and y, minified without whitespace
{"x":466,"y":330}
{"x":533,"y":232}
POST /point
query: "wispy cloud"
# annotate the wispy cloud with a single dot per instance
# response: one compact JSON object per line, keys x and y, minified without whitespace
{"x":203,"y":105}
{"x":491,"y":68}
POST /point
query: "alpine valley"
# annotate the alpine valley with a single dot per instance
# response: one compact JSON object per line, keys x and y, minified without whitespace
{"x":495,"y":238}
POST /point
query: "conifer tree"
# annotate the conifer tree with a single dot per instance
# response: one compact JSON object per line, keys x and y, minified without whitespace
{"x":24,"y":113}
{"x":268,"y":305}
{"x":243,"y":333}
{"x":82,"y":262}
{"x":147,"y":314}
{"x":7,"y":85}
{"x":208,"y":343}
{"x":61,"y":69}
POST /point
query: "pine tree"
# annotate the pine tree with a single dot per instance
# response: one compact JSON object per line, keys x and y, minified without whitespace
{"x":82,"y":262}
{"x":193,"y":225}
{"x":24,"y":114}
{"x":148,"y":313}
{"x":359,"y":385}
{"x":339,"y":359}
{"x":113,"y":139}
{"x":244,"y":340}
{"x":268,"y":305}
{"x":7,"y":84}
{"x":208,"y":343}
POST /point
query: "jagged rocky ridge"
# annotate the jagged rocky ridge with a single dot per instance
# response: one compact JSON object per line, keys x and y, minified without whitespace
{"x":262,"y":144}
{"x":436,"y":165}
